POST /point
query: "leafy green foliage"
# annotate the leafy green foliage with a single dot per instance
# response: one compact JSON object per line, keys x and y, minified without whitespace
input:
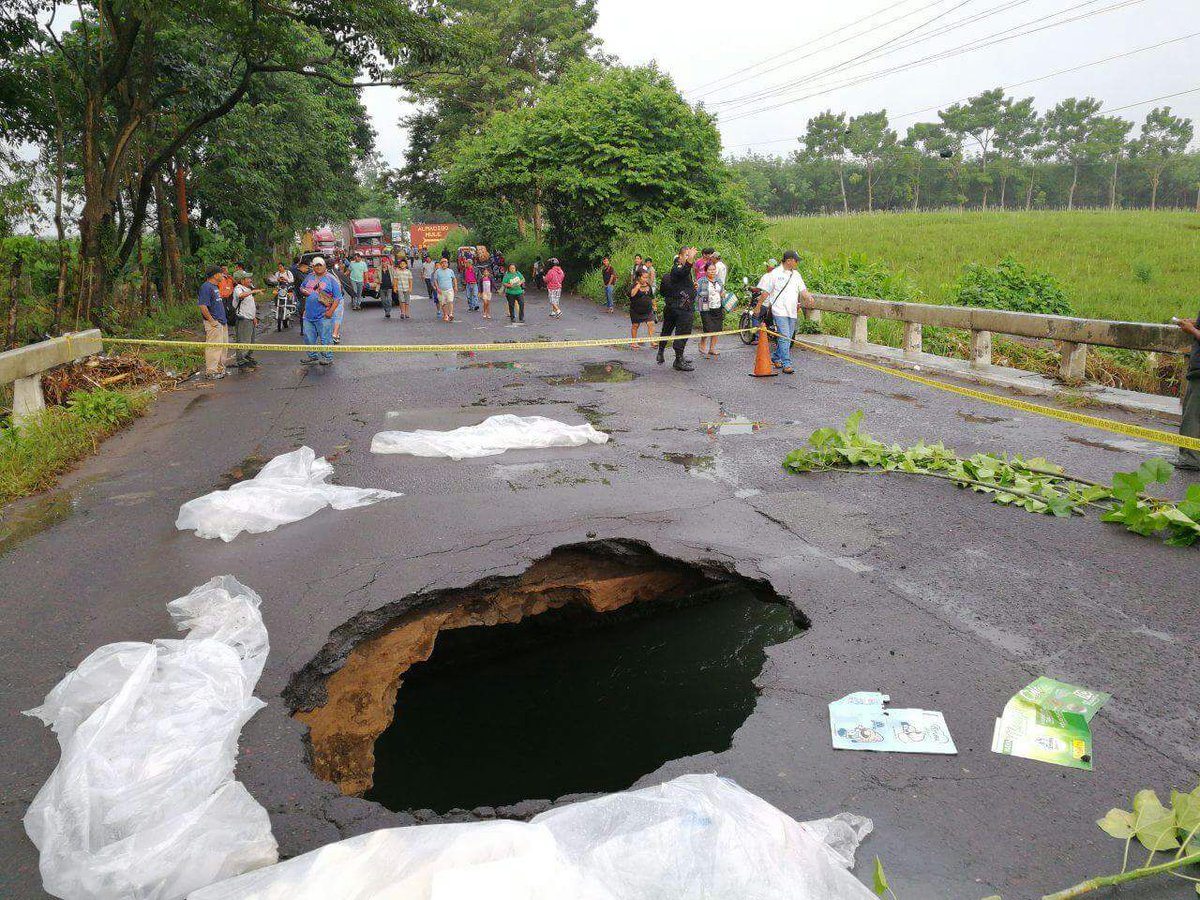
{"x":1010,"y":285}
{"x":603,"y":151}
{"x":857,"y":275}
{"x":1034,"y":485}
{"x":101,"y":406}
{"x":47,"y":444}
{"x":879,"y":879}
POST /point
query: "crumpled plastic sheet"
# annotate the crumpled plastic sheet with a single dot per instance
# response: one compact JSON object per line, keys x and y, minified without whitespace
{"x":289,"y":488}
{"x":698,"y":836}
{"x":491,"y":436}
{"x":143,"y":803}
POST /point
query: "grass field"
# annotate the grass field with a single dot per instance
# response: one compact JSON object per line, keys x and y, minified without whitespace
{"x":1128,"y":265}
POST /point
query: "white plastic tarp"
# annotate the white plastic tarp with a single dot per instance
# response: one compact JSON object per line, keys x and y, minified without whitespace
{"x":143,"y":803}
{"x":491,"y":436}
{"x":699,"y":836}
{"x":289,"y":488}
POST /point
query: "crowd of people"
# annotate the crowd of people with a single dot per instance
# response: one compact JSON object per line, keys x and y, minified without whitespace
{"x":319,"y":289}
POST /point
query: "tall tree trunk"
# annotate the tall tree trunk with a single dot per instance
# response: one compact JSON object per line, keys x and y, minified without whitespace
{"x":1003,"y":187}
{"x":870,"y":188}
{"x":1112,"y":185}
{"x":917,"y":191}
{"x":173,"y":279}
{"x":1074,"y":181}
{"x":185,"y":241}
{"x":1029,"y":189}
{"x":14,"y":280}
{"x":842,"y":182}
{"x":1198,"y":199}
{"x":1154,"y":176}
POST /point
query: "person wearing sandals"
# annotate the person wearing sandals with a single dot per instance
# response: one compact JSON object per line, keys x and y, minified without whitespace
{"x":443,"y":280}
{"x":404,"y":283}
{"x":641,"y":308}
{"x":710,"y":299}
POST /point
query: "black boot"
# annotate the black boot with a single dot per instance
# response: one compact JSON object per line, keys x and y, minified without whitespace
{"x":683,"y":365}
{"x":659,"y":357}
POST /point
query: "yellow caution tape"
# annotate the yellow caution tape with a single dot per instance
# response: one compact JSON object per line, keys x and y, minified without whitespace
{"x":421,"y":348}
{"x":1136,"y":431}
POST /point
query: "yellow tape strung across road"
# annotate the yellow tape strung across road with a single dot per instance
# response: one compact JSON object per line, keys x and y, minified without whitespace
{"x":1136,"y":431}
{"x":421,"y":348}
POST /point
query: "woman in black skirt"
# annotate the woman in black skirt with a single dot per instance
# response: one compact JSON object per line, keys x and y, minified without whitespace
{"x":710,"y":298}
{"x":641,"y":307}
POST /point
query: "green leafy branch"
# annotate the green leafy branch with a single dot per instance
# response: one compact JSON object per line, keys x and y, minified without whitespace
{"x":1158,"y":828}
{"x":1035,"y":485}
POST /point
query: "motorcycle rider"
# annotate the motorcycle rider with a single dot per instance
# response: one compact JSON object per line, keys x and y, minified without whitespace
{"x":679,"y":306}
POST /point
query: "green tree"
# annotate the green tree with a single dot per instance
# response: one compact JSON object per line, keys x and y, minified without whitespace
{"x":825,"y":139}
{"x":978,"y":118}
{"x":1070,"y":130}
{"x":928,"y":140}
{"x":144,"y":80}
{"x":1163,"y":137}
{"x":515,"y":47}
{"x":1018,"y":134}
{"x":1110,"y":140}
{"x":608,"y":151}
{"x":870,"y":140}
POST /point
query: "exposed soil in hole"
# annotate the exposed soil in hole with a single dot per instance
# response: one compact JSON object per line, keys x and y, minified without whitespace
{"x":710,"y":620}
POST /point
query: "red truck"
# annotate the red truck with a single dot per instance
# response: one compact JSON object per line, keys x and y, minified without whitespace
{"x":365,"y":236}
{"x":318,"y":240}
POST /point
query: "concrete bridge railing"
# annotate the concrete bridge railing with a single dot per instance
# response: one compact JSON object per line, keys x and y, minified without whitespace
{"x":1075,"y":335}
{"x":23,"y":367}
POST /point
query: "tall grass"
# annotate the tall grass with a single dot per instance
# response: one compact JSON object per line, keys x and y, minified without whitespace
{"x":1132,"y":265}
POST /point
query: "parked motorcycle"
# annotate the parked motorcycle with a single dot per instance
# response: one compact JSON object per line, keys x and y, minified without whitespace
{"x":285,"y":307}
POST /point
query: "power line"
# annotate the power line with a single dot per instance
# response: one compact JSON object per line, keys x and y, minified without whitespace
{"x":820,"y":47}
{"x":994,"y":37}
{"x":873,"y":53}
{"x":932,"y":58}
{"x":1087,"y":65}
{"x":790,"y":50}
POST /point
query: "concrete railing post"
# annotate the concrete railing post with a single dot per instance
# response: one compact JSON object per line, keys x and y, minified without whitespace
{"x":1073,"y":366}
{"x":858,"y":331}
{"x":28,"y":399}
{"x":813,"y":315}
{"x":981,"y":349}
{"x":912,"y":339}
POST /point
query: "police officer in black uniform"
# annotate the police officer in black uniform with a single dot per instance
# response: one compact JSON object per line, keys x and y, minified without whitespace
{"x":679,"y":306}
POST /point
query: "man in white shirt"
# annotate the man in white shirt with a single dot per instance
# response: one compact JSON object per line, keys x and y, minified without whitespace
{"x":782,"y":288}
{"x":247,"y":315}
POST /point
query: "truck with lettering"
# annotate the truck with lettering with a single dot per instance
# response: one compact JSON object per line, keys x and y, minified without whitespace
{"x":365,"y":236}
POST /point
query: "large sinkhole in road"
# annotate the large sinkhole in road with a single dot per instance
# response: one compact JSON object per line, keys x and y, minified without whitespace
{"x":591,"y":669}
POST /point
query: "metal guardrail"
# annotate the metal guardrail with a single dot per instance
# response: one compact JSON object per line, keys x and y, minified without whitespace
{"x":1074,"y":334}
{"x":23,"y":367}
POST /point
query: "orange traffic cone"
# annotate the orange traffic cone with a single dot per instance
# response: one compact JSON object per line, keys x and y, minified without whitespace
{"x":762,"y":357}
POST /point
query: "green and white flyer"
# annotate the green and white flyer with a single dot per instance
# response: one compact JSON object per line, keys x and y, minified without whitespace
{"x":1048,"y":721}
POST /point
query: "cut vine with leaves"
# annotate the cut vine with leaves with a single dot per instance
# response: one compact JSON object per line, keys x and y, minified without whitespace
{"x":1035,"y":485}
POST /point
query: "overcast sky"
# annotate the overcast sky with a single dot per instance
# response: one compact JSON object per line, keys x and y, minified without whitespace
{"x":797,"y":42}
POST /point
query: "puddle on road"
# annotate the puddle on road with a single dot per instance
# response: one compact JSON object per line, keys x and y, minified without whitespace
{"x":690,"y":461}
{"x":979,"y":420}
{"x":247,"y":468}
{"x":574,"y":701}
{"x":494,"y":364}
{"x":35,"y":518}
{"x":1098,"y":445}
{"x":732,"y":425}
{"x":612,"y":372}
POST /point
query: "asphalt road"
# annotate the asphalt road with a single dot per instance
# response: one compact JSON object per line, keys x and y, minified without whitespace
{"x":932,"y":595}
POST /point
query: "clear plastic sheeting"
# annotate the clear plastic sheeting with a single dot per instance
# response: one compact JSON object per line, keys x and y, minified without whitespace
{"x":491,"y":436}
{"x":699,"y":836}
{"x":143,"y":804}
{"x":289,"y":488}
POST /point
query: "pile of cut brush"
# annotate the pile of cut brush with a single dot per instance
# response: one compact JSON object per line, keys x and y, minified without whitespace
{"x":102,"y":371}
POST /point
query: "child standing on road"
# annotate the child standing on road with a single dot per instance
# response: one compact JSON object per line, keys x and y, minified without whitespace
{"x":485,"y":287}
{"x":554,"y":281}
{"x":404,"y":281}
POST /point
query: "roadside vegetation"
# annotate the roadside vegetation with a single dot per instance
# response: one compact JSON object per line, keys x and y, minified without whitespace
{"x":1131,"y":265}
{"x":48,"y":444}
